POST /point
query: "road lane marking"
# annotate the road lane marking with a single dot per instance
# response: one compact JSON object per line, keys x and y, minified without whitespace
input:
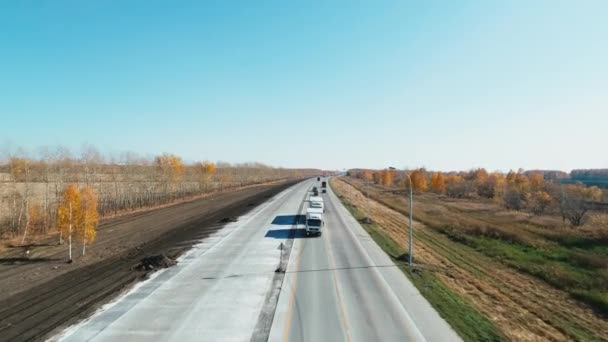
{"x":295,"y":277}
{"x":292,"y":296}
{"x":332,"y":266}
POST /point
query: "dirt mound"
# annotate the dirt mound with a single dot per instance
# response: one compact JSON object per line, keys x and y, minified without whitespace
{"x":154,"y":262}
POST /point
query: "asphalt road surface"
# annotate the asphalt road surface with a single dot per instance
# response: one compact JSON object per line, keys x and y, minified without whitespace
{"x":337,"y":287}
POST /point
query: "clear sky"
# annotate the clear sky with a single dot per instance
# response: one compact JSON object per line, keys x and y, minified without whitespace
{"x":330,"y":84}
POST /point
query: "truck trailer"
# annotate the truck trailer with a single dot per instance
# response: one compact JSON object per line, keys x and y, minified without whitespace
{"x":314,"y":221}
{"x":317,"y":202}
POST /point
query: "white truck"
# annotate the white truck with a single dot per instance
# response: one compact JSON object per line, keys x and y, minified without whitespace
{"x":317,"y":202}
{"x":314,"y":221}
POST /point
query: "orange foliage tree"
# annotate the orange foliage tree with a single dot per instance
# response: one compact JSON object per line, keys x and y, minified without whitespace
{"x":170,"y":166}
{"x":536,"y":180}
{"x":387,"y":176}
{"x":89,"y":217}
{"x":418,"y":180}
{"x":437,"y":182}
{"x":205,"y":171}
{"x":68,"y":215}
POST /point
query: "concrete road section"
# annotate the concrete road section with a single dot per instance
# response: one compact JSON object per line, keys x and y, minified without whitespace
{"x":216,"y":292}
{"x":343,"y":287}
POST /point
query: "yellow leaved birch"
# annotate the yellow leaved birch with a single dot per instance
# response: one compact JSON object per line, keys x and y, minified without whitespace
{"x":69,"y":214}
{"x":90,"y":217}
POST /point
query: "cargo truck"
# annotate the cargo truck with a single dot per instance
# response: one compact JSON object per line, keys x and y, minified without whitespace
{"x":314,"y":221}
{"x":317,"y":202}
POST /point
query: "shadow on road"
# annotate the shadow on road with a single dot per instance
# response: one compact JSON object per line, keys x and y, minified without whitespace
{"x":286,"y":233}
{"x":289,"y":220}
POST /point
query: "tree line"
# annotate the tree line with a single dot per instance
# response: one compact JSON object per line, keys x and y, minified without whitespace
{"x":533,"y":191}
{"x":32,"y":188}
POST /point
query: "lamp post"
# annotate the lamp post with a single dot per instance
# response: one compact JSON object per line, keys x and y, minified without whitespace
{"x":410,"y":253}
{"x":411,"y":229}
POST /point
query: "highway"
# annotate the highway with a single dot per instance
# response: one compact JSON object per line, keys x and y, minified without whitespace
{"x":337,"y":287}
{"x":343,"y":287}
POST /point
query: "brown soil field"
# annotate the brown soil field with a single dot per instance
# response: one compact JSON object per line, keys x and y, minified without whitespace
{"x":42,"y":292}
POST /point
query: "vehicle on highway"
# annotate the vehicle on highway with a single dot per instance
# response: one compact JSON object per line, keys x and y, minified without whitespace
{"x":314,"y":221}
{"x":324,"y":187}
{"x":317,"y":202}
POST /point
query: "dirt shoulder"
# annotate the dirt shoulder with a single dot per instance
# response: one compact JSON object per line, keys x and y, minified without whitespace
{"x":520,"y":306}
{"x":42,"y":291}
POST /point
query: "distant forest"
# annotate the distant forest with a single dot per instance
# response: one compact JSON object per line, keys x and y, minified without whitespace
{"x":589,"y":177}
{"x":597,"y":177}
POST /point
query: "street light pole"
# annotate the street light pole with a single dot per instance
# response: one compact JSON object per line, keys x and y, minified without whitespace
{"x":410,"y":253}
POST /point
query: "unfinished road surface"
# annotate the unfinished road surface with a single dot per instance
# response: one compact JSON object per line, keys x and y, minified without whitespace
{"x":337,"y":287}
{"x":37,"y":297}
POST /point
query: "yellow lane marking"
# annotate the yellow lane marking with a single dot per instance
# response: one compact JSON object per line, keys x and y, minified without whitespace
{"x":293,"y":295}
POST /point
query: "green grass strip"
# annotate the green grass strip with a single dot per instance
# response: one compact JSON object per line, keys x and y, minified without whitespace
{"x":470,"y":324}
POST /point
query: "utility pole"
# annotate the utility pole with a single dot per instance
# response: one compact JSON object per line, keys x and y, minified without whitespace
{"x":410,"y":252}
{"x":411,"y":228}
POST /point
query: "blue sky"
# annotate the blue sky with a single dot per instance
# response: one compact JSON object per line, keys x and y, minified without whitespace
{"x":331,"y":84}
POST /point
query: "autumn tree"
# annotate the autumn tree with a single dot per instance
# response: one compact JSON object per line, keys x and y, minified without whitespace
{"x":19,"y":168}
{"x":496,"y":185}
{"x":418,"y":177}
{"x":177,"y":168}
{"x":455,"y":186}
{"x":366,"y":175}
{"x":514,"y":199}
{"x":479,"y":176}
{"x":69,"y":214}
{"x":35,"y":216}
{"x":489,"y":185}
{"x":89,"y":217}
{"x":387,"y":176}
{"x":479,"y":180}
{"x":205,"y":171}
{"x":438,"y":182}
{"x":576,"y":200}
{"x":536,"y":180}
{"x":170,"y":168}
{"x":517,"y":191}
{"x":540,"y":201}
{"x":510,"y":178}
{"x":376,"y":177}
